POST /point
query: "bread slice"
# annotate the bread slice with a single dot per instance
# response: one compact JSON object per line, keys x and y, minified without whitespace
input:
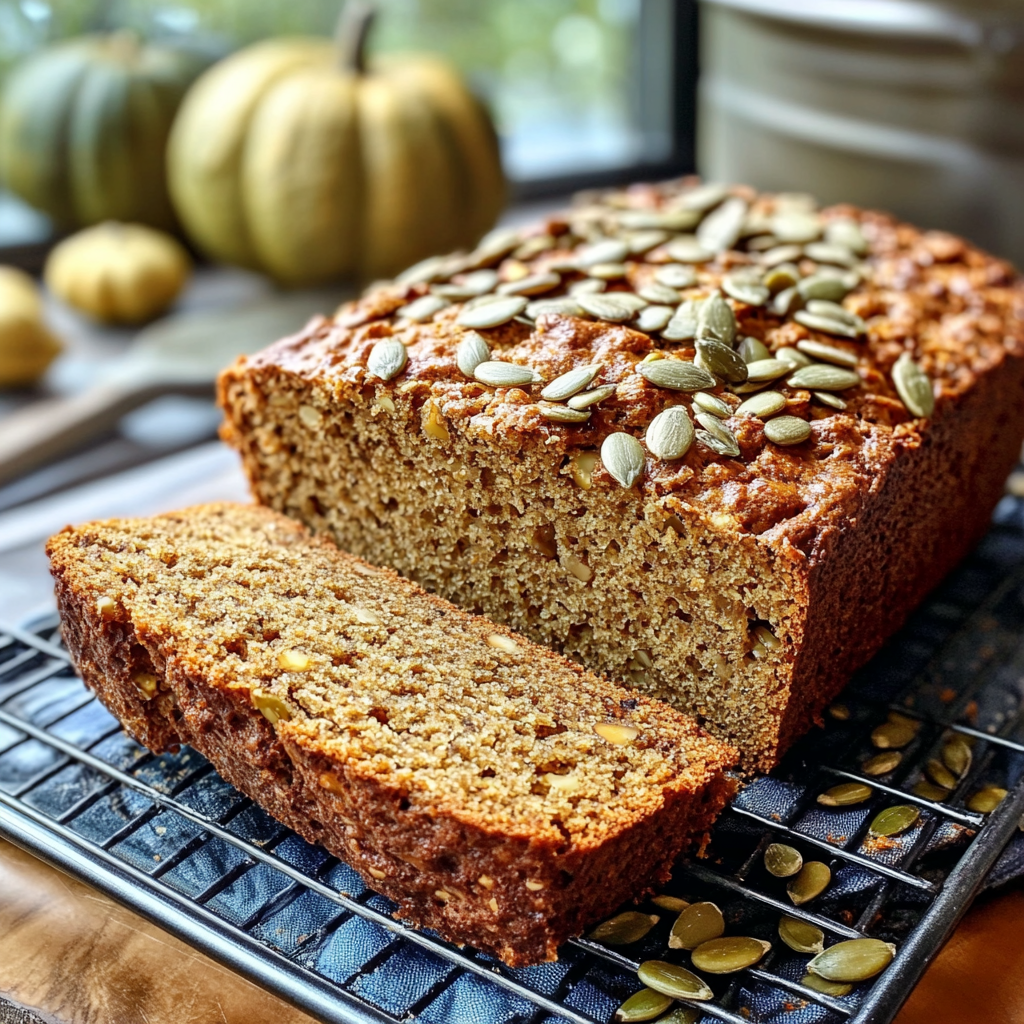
{"x":742,"y":578}
{"x":499,"y":793}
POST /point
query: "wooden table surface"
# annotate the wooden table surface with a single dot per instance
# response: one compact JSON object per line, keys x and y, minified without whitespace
{"x":75,"y":957}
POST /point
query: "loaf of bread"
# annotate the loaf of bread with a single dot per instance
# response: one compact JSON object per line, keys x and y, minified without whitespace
{"x":713,"y":443}
{"x":499,"y":793}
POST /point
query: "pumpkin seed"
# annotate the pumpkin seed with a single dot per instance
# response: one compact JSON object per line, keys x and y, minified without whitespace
{"x":822,"y":286}
{"x":560,"y":307}
{"x":751,"y":292}
{"x":717,"y":429}
{"x":796,"y":226}
{"x":665,"y":220}
{"x":763,"y":405}
{"x":831,"y":400}
{"x":986,"y":799}
{"x":608,"y":306}
{"x":670,"y":434}
{"x":811,"y":882}
{"x":717,"y":445}
{"x":703,"y":197}
{"x":929,"y":791}
{"x":483,"y":300}
{"x":673,"y":903}
{"x":387,"y":358}
{"x":853,"y":960}
{"x":424,"y":308}
{"x":780,"y":254}
{"x":779,"y":278}
{"x":586,"y":399}
{"x":684,"y":323}
{"x":675,"y":276}
{"x":676,"y":375}
{"x":681,"y":1015}
{"x":623,"y":456}
{"x":767,"y":369}
{"x":591,"y":286}
{"x":504,"y":375}
{"x":563,"y":414}
{"x":607,"y":271}
{"x":654,"y":318}
{"x":567,"y":384}
{"x":640,"y":242}
{"x":712,"y":404}
{"x":894,"y":820}
{"x":495,"y":244}
{"x":720,"y":230}
{"x":786,"y":301}
{"x":787,"y":430}
{"x":901,"y":719}
{"x":480,"y":282}
{"x":673,"y":980}
{"x":827,"y":353}
{"x":698,"y":923}
{"x":830,"y":252}
{"x":728,"y":955}
{"x":846,"y":794}
{"x":940,"y":774}
{"x":782,"y":861}
{"x":607,"y":250}
{"x":493,"y":314}
{"x":824,"y":986}
{"x":882,"y":764}
{"x":687,"y":249}
{"x":660,"y":293}
{"x":717,"y":320}
{"x":752,"y":350}
{"x":721,"y":360}
{"x":472,"y":350}
{"x":826,"y":324}
{"x":840,"y":712}
{"x":819,"y":377}
{"x":957,"y":756}
{"x":534,"y":246}
{"x":892,"y":735}
{"x":846,"y":232}
{"x":431,"y":269}
{"x":825,"y":307}
{"x":643,"y":1005}
{"x":622,"y":929}
{"x":532,"y":284}
{"x":801,"y":936}
{"x":792,"y":356}
{"x":913,"y":386}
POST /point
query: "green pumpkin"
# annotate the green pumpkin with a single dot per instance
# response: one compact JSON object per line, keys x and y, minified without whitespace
{"x":84,"y":126}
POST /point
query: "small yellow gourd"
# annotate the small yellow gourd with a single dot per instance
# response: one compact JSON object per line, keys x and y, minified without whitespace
{"x":26,"y":346}
{"x":118,"y":273}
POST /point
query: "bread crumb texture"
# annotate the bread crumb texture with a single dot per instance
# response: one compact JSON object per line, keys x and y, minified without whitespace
{"x":499,"y":792}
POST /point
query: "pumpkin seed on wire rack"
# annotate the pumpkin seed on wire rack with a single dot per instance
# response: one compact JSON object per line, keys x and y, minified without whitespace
{"x":767,"y":370}
{"x":643,"y":1005}
{"x":718,"y":358}
{"x":787,"y":430}
{"x":586,"y":399}
{"x":882,"y":764}
{"x":670,"y":434}
{"x":752,"y":350}
{"x":387,"y":358}
{"x":853,"y":960}
{"x":676,"y":375}
{"x":423,"y":309}
{"x":811,"y":882}
{"x":940,"y":774}
{"x":712,"y":404}
{"x":567,"y":384}
{"x":894,"y":820}
{"x":623,"y":456}
{"x":801,"y":936}
{"x":720,"y":230}
{"x":819,"y":377}
{"x":892,"y":735}
{"x":675,"y":276}
{"x":499,"y":374}
{"x":493,"y":314}
{"x":957,"y":756}
{"x":654,"y":318}
{"x":684,"y":323}
{"x":846,"y":794}
{"x":471,"y":351}
{"x":929,"y":791}
{"x":826,"y":353}
{"x":913,"y":386}
{"x":661,"y":294}
{"x":563,"y":414}
{"x":718,"y":430}
{"x":671,"y":903}
{"x":673,"y":980}
{"x":832,"y":401}
{"x":716,"y":320}
{"x":623,"y":929}
{"x":826,"y":987}
{"x":698,"y":923}
{"x":782,"y":861}
{"x":729,"y":954}
{"x":986,"y":799}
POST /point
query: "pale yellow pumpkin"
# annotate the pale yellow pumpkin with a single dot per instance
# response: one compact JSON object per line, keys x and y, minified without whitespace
{"x":118,"y":273}
{"x":26,"y":345}
{"x":294,"y":158}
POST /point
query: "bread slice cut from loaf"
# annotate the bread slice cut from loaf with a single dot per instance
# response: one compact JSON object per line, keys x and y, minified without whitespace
{"x":498,"y":792}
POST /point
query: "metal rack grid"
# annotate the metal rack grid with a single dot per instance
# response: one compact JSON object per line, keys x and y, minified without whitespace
{"x":166,"y":836}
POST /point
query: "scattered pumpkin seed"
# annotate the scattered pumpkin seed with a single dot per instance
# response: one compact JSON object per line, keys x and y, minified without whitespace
{"x":826,"y":353}
{"x":681,"y":1015}
{"x":590,"y":286}
{"x":495,"y":244}
{"x":684,"y":323}
{"x":717,"y":320}
{"x":565,"y":306}
{"x":675,"y":276}
{"x":913,"y":386}
{"x":929,"y":791}
{"x":780,"y":254}
{"x":688,"y":250}
{"x":986,"y":799}
{"x":822,"y":286}
{"x":729,"y":954}
{"x":676,"y":375}
{"x":623,"y":456}
{"x":532,"y":284}
{"x":610,"y":306}
{"x":853,"y":960}
{"x":673,"y":980}
{"x":698,"y":923}
{"x":607,"y":250}
{"x":779,"y":278}
{"x":717,"y":429}
{"x":846,"y":794}
{"x":834,"y":401}
{"x":892,"y":735}
{"x":640,"y":242}
{"x":767,"y":370}
{"x":826,"y":324}
{"x":660,"y":293}
{"x":882,"y":764}
{"x":720,"y":230}
{"x":940,"y":774}
{"x":752,"y":350}
{"x":672,"y":903}
{"x":569,"y":383}
{"x":819,"y":377}
{"x":787,"y":430}
{"x":824,"y":986}
{"x":586,"y":399}
{"x":703,"y":197}
{"x":431,"y":269}
{"x":493,"y":314}
{"x":717,"y":445}
{"x":894,"y":820}
{"x":753,"y":293}
{"x":796,"y":226}
{"x":622,"y":929}
{"x":500,"y":374}
{"x":670,"y":434}
{"x":847,"y":232}
{"x":801,"y":936}
{"x":663,"y":220}
{"x":387,"y":358}
{"x":901,"y":719}
{"x":830,"y":252}
{"x":424,"y":308}
{"x":782,"y":861}
{"x":721,"y":360}
{"x":472,"y":350}
{"x":654,"y":318}
{"x":607,"y":271}
{"x":643,"y":1005}
{"x":787,"y":301}
{"x":712,"y":404}
{"x":762,"y":405}
{"x":563,"y":414}
{"x":812,"y":881}
{"x":957,"y":756}
{"x":792,"y":356}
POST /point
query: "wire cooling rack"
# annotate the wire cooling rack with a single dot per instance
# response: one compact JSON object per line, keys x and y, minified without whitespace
{"x":168,"y":837}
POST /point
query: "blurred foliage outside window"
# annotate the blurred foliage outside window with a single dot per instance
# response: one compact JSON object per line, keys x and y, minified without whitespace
{"x":564,"y":78}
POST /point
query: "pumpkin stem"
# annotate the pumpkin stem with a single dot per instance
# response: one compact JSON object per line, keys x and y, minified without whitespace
{"x":350,"y":34}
